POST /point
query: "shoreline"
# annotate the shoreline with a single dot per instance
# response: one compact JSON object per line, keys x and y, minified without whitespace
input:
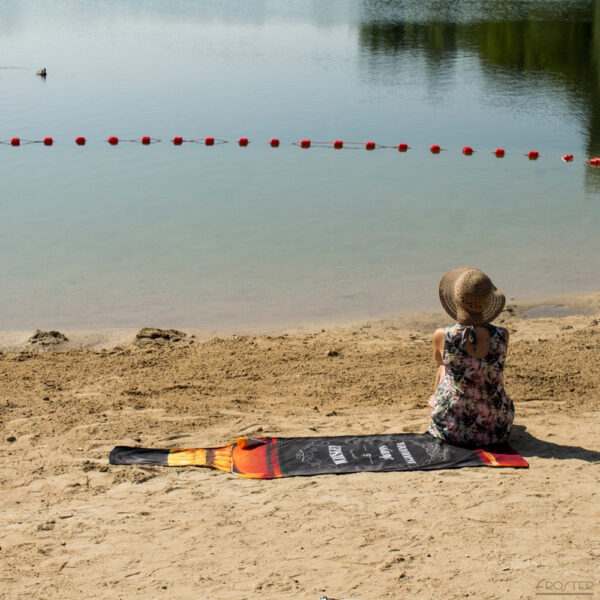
{"x":421,"y":322}
{"x":80,"y":527}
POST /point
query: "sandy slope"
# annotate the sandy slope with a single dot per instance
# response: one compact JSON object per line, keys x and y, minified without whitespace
{"x":74,"y":527}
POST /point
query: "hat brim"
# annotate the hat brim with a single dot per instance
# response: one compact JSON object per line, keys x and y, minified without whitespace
{"x":446,"y":291}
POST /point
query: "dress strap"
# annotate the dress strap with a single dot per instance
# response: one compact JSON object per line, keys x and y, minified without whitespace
{"x":469,"y":335}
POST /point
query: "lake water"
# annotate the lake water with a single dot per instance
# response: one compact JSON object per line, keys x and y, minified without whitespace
{"x":224,"y":236}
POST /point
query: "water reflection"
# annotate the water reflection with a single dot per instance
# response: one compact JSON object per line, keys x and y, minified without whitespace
{"x":15,"y":16}
{"x":552,"y":48}
{"x":225,"y":237}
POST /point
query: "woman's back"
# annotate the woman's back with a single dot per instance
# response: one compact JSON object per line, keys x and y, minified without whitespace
{"x":471,"y":406}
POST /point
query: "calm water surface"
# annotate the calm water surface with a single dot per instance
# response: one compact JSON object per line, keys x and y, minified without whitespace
{"x":190,"y":236}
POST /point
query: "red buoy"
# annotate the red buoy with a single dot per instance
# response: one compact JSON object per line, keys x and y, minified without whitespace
{"x":146,"y":140}
{"x":370,"y":146}
{"x":499,"y":152}
{"x":80,"y":140}
{"x":15,"y":141}
{"x":467,"y":150}
{"x":567,"y":157}
{"x":435,"y":149}
{"x":177,"y":140}
{"x":48,"y":141}
{"x":305,"y":144}
{"x":402,"y":147}
{"x":533,"y":155}
{"x":210,"y":141}
{"x":243,"y":141}
{"x":338,"y":144}
{"x":274,"y":143}
{"x":595,"y":162}
{"x":113,"y":140}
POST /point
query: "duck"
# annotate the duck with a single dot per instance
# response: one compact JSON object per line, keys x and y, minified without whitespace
{"x":42,"y":72}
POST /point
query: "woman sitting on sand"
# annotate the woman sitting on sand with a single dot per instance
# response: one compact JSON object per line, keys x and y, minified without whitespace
{"x":470,"y":405}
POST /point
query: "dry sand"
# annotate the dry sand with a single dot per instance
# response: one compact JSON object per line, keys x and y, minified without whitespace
{"x":72,"y":526}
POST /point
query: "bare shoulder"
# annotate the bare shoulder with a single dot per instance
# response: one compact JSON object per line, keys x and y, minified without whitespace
{"x":439,"y":336}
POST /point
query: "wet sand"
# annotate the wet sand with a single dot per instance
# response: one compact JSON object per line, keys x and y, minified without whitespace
{"x":75,"y":527}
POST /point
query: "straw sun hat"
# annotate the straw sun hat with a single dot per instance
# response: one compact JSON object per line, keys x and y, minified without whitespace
{"x":469,"y":297}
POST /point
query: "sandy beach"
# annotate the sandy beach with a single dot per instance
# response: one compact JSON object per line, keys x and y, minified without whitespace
{"x":73,"y":526}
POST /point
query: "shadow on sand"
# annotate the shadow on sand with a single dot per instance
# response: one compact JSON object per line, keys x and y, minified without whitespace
{"x":528,"y":445}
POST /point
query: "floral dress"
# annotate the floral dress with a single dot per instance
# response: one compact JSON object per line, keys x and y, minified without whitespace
{"x":471,"y":406}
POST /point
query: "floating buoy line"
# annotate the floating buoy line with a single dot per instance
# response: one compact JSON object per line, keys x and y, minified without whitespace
{"x":147,"y":140}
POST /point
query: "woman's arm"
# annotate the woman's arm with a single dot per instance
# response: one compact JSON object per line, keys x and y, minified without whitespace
{"x":438,"y":356}
{"x":438,"y":346}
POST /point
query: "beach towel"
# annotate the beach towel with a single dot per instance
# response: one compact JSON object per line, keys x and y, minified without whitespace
{"x":269,"y":458}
